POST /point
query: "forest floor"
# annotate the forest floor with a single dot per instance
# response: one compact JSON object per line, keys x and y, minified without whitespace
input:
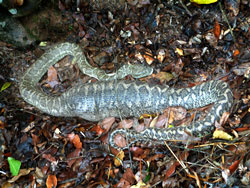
{"x":186,"y":44}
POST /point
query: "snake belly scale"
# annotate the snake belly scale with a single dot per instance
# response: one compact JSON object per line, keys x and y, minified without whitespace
{"x":113,"y":97}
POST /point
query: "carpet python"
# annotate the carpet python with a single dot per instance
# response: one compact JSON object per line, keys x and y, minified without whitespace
{"x":113,"y":97}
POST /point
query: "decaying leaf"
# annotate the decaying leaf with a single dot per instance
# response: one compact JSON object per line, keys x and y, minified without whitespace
{"x":120,"y":141}
{"x":106,"y":124}
{"x":73,"y":156}
{"x":217,"y":29}
{"x":22,"y":172}
{"x":179,"y":51}
{"x":49,"y":157}
{"x":119,"y":158}
{"x":52,"y":77}
{"x":51,"y":181}
{"x":75,"y":139}
{"x":222,"y":135}
{"x":161,"y":55}
{"x":140,"y":184}
{"x":98,"y":129}
{"x":164,"y":76}
{"x":148,"y":56}
{"x":5,"y":86}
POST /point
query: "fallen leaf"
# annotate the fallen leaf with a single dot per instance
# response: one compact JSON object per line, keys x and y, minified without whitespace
{"x":49,"y":157}
{"x":119,"y":156}
{"x":120,"y":141}
{"x":212,"y":40}
{"x":106,"y":124}
{"x":161,"y":55}
{"x":19,"y":2}
{"x":179,"y":51}
{"x":73,"y":155}
{"x":235,"y":165}
{"x":217,"y":29}
{"x":98,"y":129}
{"x":22,"y":172}
{"x":77,"y":142}
{"x":172,"y":168}
{"x":129,"y":176}
{"x":205,"y":2}
{"x":5,"y":86}
{"x":126,"y":123}
{"x":140,"y":184}
{"x":222,"y":135}
{"x":51,"y":181}
{"x":75,"y":139}
{"x":164,"y":76}
{"x":148,"y":58}
{"x":52,"y":79}
{"x":14,"y":166}
{"x":236,"y":52}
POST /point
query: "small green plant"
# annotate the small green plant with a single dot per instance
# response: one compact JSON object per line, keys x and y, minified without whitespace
{"x":5,"y":86}
{"x":14,"y":166}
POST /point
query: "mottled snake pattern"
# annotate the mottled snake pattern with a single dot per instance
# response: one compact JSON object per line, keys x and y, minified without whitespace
{"x":113,"y":97}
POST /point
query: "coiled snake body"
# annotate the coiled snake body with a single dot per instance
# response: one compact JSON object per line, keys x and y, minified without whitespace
{"x":120,"y":98}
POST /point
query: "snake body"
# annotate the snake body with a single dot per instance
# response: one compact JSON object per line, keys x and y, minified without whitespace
{"x":119,"y":98}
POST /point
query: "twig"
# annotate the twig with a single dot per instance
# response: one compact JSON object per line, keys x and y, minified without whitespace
{"x":186,"y":9}
{"x":181,"y":163}
{"x":225,"y":18}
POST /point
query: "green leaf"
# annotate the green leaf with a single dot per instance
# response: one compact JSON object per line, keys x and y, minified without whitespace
{"x":5,"y":86}
{"x":147,"y":178}
{"x":14,"y":166}
{"x":43,"y":44}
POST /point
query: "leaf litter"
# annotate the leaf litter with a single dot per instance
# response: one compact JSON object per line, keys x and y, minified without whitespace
{"x":186,"y":44}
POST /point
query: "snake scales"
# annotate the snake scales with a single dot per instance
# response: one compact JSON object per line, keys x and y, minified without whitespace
{"x":119,"y":98}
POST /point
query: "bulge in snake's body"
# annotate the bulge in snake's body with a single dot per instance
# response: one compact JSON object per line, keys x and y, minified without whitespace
{"x":120,"y":98}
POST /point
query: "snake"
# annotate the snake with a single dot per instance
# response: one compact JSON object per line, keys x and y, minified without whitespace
{"x":111,"y":96}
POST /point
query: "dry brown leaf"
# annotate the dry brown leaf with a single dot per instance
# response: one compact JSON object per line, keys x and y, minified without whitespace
{"x":49,"y":157}
{"x":217,"y":29}
{"x":132,"y":2}
{"x":75,"y":139}
{"x":236,"y":52}
{"x":212,"y":40}
{"x":22,"y":172}
{"x":153,"y":122}
{"x":120,"y":141}
{"x":140,"y":127}
{"x":73,"y":155}
{"x":161,"y":121}
{"x":161,"y":55}
{"x":175,"y":113}
{"x":52,"y":79}
{"x":235,"y":165}
{"x":98,"y":129}
{"x":51,"y":181}
{"x":18,"y":2}
{"x":148,"y":58}
{"x":126,"y":123}
{"x":120,"y":156}
{"x":107,"y":123}
{"x":140,"y":184}
{"x":164,"y":76}
{"x":129,"y":176}
{"x":77,"y":142}
{"x":171,"y":117}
